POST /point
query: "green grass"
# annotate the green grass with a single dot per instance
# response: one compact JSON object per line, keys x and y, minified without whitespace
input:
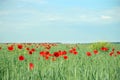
{"x":77,"y":67}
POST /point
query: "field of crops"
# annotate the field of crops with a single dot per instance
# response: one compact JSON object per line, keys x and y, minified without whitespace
{"x":48,"y":61}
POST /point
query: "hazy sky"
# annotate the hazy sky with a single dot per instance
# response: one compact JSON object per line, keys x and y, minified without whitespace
{"x":59,"y":20}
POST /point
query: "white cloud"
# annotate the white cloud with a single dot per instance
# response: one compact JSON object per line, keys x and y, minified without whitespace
{"x":37,"y":17}
{"x":106,"y":17}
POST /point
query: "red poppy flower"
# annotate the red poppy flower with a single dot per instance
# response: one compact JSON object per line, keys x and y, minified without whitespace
{"x":27,"y":49}
{"x":95,"y":51}
{"x":56,"y":54}
{"x":104,"y":49}
{"x":65,"y":57}
{"x":64,"y":52}
{"x":33,"y":50}
{"x":10,"y":48}
{"x":111,"y":53}
{"x":71,"y":51}
{"x":47,"y":52}
{"x":30,"y":52}
{"x":75,"y":52}
{"x":60,"y":52}
{"x":21,"y":58}
{"x":42,"y":53}
{"x":31,"y":66}
{"x":88,"y":54}
{"x":118,"y":52}
{"x":46,"y":57}
{"x":20,"y":46}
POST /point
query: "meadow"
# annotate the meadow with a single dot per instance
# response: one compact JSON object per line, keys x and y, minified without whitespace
{"x":50,"y":61}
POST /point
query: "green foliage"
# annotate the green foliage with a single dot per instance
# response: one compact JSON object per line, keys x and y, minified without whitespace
{"x":99,"y":45}
{"x":79,"y":67}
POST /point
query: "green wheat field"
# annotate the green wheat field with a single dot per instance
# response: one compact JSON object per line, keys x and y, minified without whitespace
{"x":56,"y":61}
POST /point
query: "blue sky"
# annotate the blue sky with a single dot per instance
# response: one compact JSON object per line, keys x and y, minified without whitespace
{"x":67,"y":21}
